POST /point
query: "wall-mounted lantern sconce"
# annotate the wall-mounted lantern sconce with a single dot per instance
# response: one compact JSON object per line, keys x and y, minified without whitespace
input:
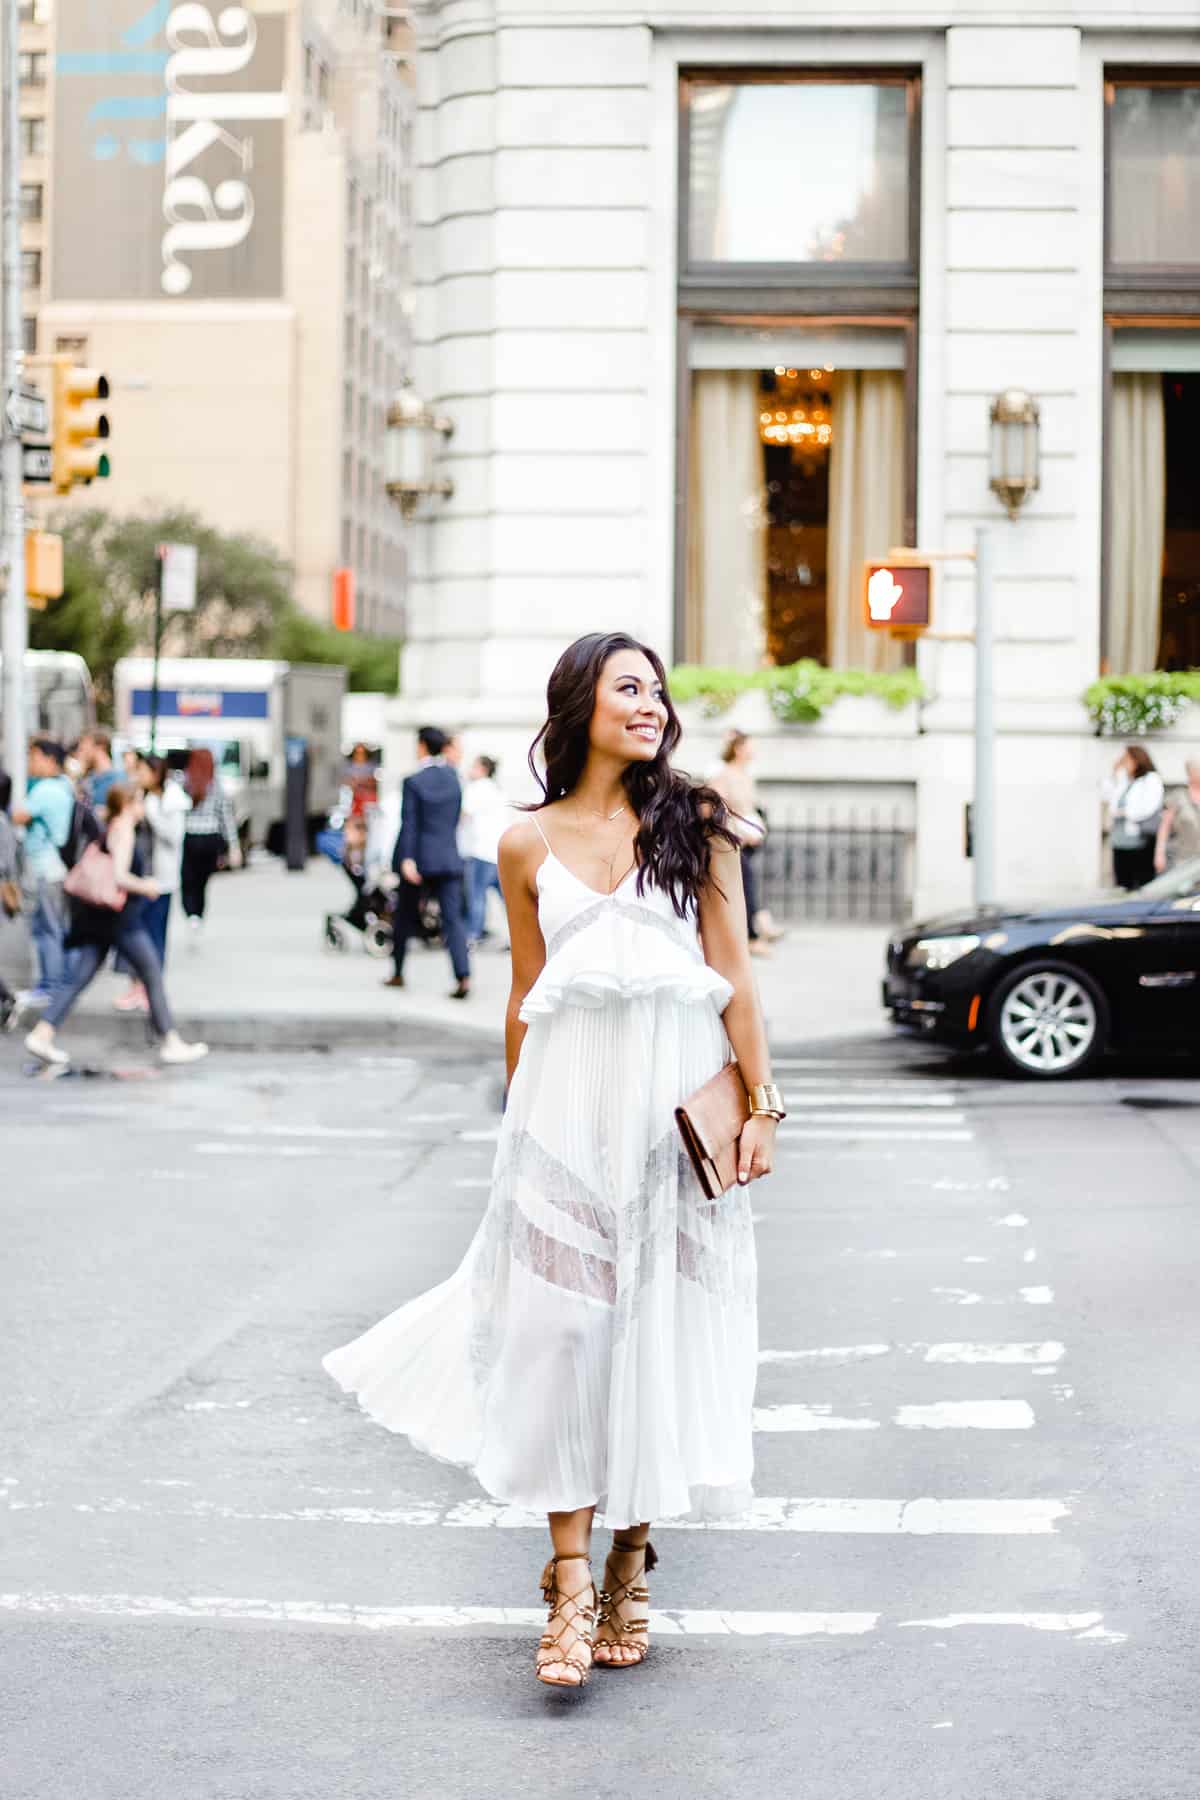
{"x":412,"y":442}
{"x":1016,"y":427}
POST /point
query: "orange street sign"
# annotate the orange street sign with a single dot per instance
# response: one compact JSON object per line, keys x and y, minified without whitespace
{"x":898,"y":597}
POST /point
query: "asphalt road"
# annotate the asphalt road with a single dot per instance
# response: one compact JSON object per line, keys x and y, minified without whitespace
{"x":972,"y":1569}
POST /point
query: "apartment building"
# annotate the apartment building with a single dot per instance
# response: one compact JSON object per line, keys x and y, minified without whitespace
{"x":217,"y":212}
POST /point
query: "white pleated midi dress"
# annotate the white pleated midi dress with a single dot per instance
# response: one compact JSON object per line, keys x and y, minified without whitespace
{"x":597,"y":1346}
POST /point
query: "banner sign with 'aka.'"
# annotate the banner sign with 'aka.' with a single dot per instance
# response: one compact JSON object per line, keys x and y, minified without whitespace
{"x":168,"y":151}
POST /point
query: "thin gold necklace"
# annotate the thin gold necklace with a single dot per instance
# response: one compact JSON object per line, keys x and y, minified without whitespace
{"x":609,"y":860}
{"x":607,"y":817}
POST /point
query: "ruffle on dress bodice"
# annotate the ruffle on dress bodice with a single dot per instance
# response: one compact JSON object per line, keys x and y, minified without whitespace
{"x":624,"y":945}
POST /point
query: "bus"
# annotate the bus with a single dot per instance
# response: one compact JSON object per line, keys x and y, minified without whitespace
{"x":59,"y":701}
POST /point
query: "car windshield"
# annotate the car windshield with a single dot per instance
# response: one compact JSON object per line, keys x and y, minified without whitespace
{"x":1177,"y":884}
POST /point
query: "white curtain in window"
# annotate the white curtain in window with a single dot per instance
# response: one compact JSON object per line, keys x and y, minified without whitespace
{"x":1138,"y":499}
{"x":866,"y":508}
{"x":727,"y":560}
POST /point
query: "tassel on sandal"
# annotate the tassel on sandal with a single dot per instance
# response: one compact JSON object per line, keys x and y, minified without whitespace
{"x":631,"y":1634}
{"x":566,"y":1616}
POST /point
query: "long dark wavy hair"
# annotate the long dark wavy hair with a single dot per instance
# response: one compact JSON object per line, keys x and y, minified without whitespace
{"x":679,"y":820}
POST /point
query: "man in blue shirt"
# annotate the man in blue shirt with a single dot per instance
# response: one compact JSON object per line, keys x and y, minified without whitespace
{"x":46,"y":817}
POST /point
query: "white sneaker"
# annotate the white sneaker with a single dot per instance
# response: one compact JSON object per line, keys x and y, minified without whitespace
{"x":40,"y":1043}
{"x":174,"y":1050}
{"x":195,"y":931}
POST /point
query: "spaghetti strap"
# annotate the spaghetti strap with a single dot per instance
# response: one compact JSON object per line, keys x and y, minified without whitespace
{"x":541,"y":833}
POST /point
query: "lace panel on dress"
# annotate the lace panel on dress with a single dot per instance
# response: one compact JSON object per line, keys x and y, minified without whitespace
{"x":641,"y":915}
{"x":575,"y":1270}
{"x":557,"y":1185}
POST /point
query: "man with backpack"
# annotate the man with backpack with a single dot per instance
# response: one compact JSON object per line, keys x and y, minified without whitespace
{"x":49,"y":818}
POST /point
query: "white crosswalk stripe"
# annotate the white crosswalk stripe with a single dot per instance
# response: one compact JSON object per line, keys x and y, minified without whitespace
{"x":680,"y":1622}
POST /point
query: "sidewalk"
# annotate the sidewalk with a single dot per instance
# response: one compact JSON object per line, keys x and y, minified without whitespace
{"x":261,"y":978}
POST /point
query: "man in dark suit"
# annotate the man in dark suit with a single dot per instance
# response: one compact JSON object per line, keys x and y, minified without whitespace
{"x":426,"y":852}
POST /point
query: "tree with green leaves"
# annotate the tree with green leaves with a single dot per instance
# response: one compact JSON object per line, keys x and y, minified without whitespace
{"x":243,"y":601}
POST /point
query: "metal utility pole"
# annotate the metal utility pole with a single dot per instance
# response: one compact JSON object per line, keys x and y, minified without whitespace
{"x":983,"y":814}
{"x":15,"y":636}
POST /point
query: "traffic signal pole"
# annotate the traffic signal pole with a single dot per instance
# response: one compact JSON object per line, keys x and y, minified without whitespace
{"x":14,"y":637}
{"x":983,"y":818}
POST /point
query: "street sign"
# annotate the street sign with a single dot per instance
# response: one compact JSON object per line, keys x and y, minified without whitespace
{"x":899,"y":597}
{"x":178,"y":577}
{"x":26,"y":413}
{"x":37,"y":462}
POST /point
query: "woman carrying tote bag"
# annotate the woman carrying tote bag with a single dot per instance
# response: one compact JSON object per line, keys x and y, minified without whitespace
{"x":109,"y":891}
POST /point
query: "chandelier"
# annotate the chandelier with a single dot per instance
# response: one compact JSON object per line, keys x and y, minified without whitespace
{"x":798,"y":413}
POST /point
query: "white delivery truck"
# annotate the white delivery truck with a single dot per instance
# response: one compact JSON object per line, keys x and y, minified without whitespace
{"x":244,"y":711}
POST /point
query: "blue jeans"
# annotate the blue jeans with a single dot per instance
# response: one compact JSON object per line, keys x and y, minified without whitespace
{"x":155,"y":914}
{"x":48,"y":929}
{"x":139,"y":952}
{"x":480,"y":877}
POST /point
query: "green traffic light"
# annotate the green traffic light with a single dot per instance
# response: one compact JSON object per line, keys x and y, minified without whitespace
{"x":103,"y":466}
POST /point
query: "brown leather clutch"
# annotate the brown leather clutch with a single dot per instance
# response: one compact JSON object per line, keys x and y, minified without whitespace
{"x":710,"y":1123}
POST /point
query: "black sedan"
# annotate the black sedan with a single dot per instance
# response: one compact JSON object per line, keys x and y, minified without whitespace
{"x":1051,"y":989}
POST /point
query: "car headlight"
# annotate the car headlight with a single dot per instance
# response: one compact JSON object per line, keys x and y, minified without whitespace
{"x":940,"y":952}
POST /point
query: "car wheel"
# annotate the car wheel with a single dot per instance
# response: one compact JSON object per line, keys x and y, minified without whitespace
{"x":1048,"y":1020}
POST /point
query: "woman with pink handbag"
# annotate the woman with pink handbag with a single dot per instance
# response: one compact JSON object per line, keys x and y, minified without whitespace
{"x":108,"y":890}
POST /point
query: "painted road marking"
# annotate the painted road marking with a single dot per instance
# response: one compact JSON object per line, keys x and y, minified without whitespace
{"x":937,"y":1415}
{"x":967,"y":1415}
{"x":839,"y":1355}
{"x":843,"y":1120}
{"x":921,"y":1517}
{"x":852,"y":1098}
{"x":894,"y":1136}
{"x":1048,"y":1352}
{"x":676,"y":1622}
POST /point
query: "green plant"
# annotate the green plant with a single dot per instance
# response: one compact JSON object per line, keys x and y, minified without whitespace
{"x":1129,"y":705}
{"x":798,"y":693}
{"x":110,"y":571}
{"x":372,"y":663}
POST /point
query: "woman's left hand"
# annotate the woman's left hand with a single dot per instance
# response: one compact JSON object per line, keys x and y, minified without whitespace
{"x":756,"y":1148}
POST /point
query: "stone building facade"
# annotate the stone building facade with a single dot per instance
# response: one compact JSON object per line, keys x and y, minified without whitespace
{"x":719,"y":300}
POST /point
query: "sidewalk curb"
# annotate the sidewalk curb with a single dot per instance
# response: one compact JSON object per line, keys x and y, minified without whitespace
{"x":287,"y":1032}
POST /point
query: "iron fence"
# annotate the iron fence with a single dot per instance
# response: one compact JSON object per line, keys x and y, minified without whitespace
{"x":856,"y":865}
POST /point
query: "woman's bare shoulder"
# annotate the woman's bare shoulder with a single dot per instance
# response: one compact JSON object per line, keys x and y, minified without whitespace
{"x":520,"y":840}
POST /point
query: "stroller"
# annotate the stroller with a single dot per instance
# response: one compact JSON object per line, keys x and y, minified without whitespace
{"x":369,"y":919}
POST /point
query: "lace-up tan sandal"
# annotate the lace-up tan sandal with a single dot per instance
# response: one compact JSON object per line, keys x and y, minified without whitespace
{"x":567,"y":1616}
{"x":613,"y":1629}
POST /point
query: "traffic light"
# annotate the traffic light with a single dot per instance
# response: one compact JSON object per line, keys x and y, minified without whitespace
{"x":80,"y":425}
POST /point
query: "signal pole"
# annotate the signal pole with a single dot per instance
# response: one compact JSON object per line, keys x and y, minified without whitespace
{"x":15,"y":635}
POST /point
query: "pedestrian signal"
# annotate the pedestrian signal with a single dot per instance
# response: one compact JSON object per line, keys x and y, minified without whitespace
{"x":899,"y":597}
{"x":80,"y":425}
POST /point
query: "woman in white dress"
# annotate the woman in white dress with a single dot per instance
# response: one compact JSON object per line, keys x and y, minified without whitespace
{"x":596,"y":1350}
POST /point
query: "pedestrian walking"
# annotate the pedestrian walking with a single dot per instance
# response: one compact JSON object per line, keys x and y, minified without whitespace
{"x":734,"y":781}
{"x":597,"y":1347}
{"x":116,"y":868}
{"x":46,"y":816}
{"x":485,"y":814}
{"x":426,"y":854}
{"x":166,"y":806}
{"x":1135,"y":795}
{"x":11,"y":899}
{"x":1179,"y":833}
{"x":97,"y":772}
{"x":210,"y":836}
